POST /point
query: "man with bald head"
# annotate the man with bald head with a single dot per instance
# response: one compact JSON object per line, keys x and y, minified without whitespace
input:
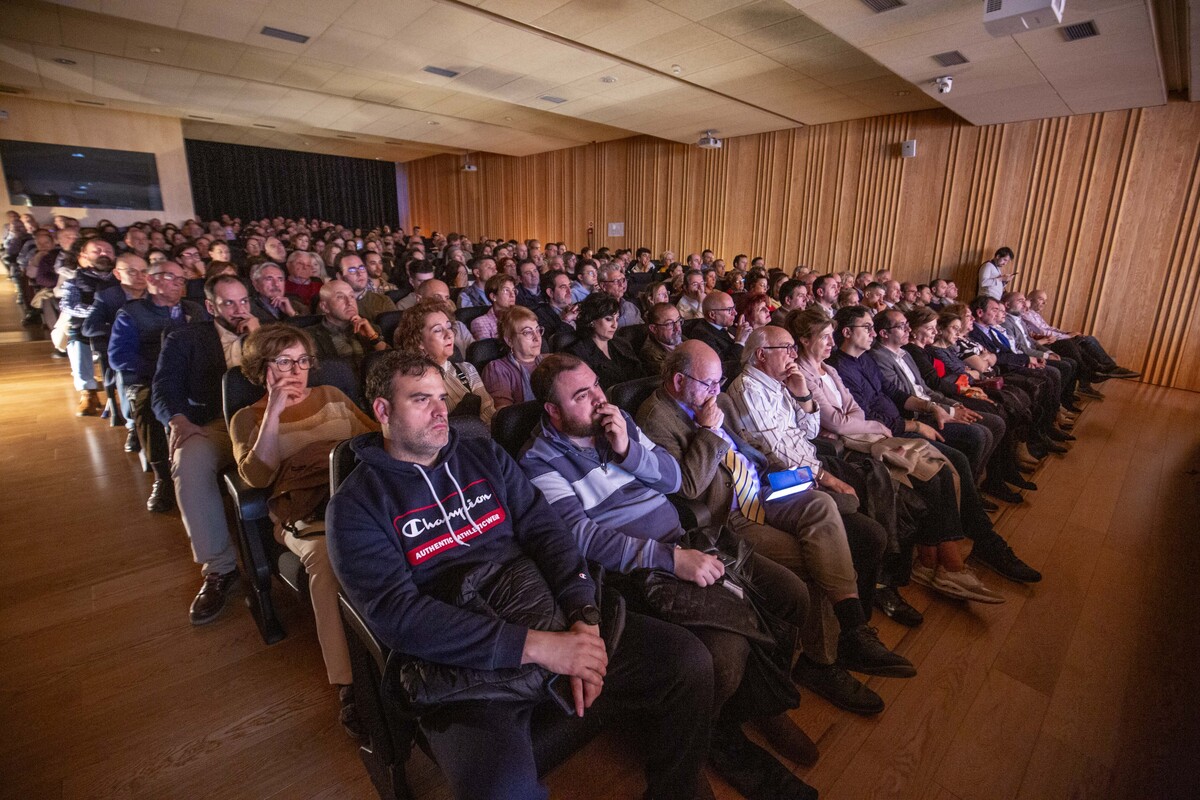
{"x":721,"y":329}
{"x":1095,"y":364}
{"x":343,"y":332}
{"x":774,"y":411}
{"x":689,"y":418}
{"x":891,"y":293}
{"x":353,"y":271}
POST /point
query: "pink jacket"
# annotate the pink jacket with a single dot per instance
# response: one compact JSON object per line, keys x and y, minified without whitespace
{"x":840,"y":415}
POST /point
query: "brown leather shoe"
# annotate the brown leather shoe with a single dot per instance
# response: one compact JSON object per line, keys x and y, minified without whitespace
{"x":89,"y":404}
{"x":210,"y":602}
{"x":788,"y":740}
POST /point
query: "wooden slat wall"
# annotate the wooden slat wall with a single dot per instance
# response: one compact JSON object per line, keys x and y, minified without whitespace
{"x":1103,"y":210}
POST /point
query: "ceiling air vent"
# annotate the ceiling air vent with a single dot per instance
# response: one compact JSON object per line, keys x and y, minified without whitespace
{"x":951,"y":58}
{"x":91,"y":102}
{"x":346,"y":136}
{"x":549,"y":98}
{"x":1080,"y":30}
{"x":993,"y":6}
{"x":445,"y":73}
{"x":261,"y":125}
{"x":880,"y":6}
{"x":287,"y":36}
{"x":197,"y":116}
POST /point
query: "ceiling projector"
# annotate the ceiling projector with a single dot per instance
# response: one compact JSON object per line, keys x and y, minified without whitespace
{"x":1008,"y":17}
{"x":709,"y":142}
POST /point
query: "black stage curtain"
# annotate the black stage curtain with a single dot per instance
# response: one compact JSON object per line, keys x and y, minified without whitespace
{"x":257,"y":182}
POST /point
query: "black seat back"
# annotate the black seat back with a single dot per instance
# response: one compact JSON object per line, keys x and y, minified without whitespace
{"x":482,"y":351}
{"x":513,"y":424}
{"x":634,"y":335}
{"x":630,"y":395}
{"x":303,"y":320}
{"x":560,"y":341}
{"x":388,"y":321}
{"x":467,"y":315}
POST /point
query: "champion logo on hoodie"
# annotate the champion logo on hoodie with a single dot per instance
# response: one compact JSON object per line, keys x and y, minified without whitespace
{"x":457,"y":517}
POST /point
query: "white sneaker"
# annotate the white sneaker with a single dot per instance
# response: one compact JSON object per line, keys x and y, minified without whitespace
{"x":923,"y":575}
{"x":964,"y":585}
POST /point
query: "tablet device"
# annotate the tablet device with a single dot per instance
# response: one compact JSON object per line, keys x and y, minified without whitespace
{"x":789,"y":482}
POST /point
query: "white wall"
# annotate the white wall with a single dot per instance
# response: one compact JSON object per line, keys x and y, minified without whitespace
{"x":83,"y":126}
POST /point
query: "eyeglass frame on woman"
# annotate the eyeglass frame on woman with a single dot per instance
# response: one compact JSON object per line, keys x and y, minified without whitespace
{"x":289,"y":362}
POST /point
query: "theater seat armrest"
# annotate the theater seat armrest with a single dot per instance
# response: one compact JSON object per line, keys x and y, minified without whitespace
{"x":251,"y":502}
{"x":692,"y":513}
{"x":830,"y":448}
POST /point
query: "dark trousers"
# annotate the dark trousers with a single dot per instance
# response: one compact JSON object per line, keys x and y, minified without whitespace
{"x":975,"y":522}
{"x":786,"y":596}
{"x":1088,"y":353}
{"x":974,"y":440}
{"x":150,"y":431}
{"x":659,"y":670}
{"x":1044,"y":402}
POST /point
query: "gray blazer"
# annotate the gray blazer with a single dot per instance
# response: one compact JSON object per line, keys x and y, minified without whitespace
{"x":1014,"y":328}
{"x":894,"y":377}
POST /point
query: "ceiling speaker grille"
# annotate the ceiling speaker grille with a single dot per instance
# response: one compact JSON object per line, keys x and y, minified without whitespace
{"x":549,"y":98}
{"x":880,"y":6}
{"x":951,"y":58}
{"x":993,"y":6}
{"x":445,"y":73}
{"x":1080,"y":30}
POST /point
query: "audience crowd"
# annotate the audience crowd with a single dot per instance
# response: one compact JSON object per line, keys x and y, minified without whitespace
{"x":757,"y":460}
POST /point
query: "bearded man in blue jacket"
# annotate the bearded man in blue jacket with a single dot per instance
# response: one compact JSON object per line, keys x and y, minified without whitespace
{"x":420,"y":511}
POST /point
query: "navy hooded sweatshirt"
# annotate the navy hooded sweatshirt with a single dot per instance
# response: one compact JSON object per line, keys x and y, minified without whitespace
{"x":402,"y":536}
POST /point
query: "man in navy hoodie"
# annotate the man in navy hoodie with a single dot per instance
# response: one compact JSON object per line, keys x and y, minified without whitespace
{"x":422,"y":509}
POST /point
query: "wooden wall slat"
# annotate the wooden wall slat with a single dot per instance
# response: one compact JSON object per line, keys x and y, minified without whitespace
{"x":1093,"y":205}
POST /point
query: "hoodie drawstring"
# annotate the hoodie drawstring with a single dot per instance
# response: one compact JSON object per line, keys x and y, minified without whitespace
{"x":445,"y":514}
{"x":462,"y":499}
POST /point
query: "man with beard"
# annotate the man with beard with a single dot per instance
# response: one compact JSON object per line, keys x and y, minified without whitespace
{"x":94,"y":274}
{"x":664,"y":324}
{"x":187,"y":400}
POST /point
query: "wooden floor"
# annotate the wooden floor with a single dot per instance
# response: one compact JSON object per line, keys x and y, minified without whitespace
{"x":1083,"y":686}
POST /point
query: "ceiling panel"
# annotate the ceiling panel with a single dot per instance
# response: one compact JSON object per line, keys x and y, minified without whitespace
{"x":677,"y":67}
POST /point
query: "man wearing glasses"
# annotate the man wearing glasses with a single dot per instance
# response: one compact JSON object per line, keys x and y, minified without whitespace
{"x":721,"y":329}
{"x":689,"y":418}
{"x":353,"y":271}
{"x":665,"y":326}
{"x":133,"y":350}
{"x":130,"y":272}
{"x":186,"y":398}
{"x":614,"y":283}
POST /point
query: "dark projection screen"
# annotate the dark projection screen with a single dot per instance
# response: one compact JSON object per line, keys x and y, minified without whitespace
{"x":80,"y":177}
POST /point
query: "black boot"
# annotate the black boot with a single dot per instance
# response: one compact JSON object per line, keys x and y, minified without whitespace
{"x":752,"y":771}
{"x":162,"y":493}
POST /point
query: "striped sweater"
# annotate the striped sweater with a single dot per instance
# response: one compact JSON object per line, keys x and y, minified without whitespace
{"x":618,"y":513}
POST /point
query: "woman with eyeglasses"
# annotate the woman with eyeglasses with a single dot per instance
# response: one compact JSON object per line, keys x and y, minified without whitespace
{"x":428,"y":328}
{"x":282,"y":443}
{"x":613,"y":360}
{"x":507,"y":379}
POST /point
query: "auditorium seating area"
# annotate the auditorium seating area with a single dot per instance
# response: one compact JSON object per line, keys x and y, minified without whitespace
{"x":1075,"y":684}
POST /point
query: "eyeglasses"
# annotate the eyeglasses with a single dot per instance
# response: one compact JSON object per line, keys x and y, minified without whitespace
{"x":354,"y":270}
{"x":671,"y":323}
{"x":618,"y":281}
{"x":167,"y":277}
{"x":286,"y":363}
{"x":728,"y":308}
{"x":791,"y":348}
{"x":709,"y":386}
{"x":867,"y":326}
{"x":532,"y":333}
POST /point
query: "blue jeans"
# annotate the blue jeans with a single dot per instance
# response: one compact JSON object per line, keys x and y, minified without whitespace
{"x":80,"y":354}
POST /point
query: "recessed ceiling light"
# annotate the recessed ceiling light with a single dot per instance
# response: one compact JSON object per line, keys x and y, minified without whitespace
{"x":609,"y":79}
{"x":68,"y":62}
{"x":156,"y":50}
{"x":433,"y":122}
{"x":508,"y":119}
{"x":676,"y":69}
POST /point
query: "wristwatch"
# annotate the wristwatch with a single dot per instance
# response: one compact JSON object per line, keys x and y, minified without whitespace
{"x":588,"y":615}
